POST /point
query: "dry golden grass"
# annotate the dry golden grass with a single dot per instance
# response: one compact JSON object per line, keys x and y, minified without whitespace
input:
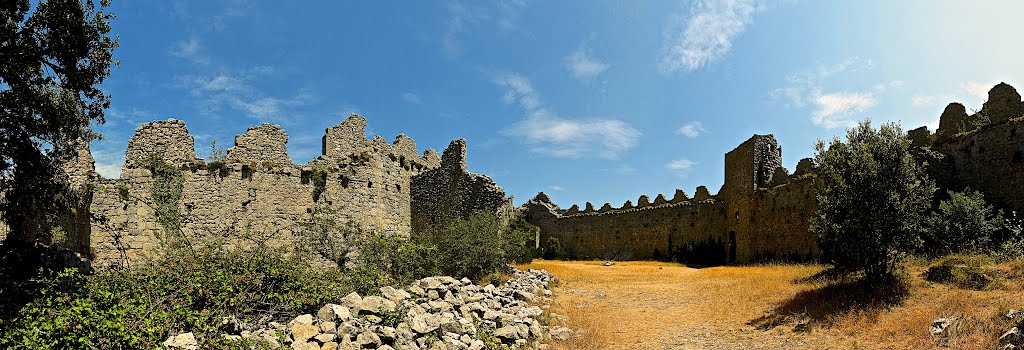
{"x":651,"y":305}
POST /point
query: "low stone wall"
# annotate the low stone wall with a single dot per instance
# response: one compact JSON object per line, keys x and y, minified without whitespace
{"x":432,"y":313}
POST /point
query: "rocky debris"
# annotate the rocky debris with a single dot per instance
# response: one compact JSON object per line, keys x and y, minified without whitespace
{"x":431,"y":313}
{"x":1013,"y":338}
{"x":943,"y":328}
{"x":185,"y":341}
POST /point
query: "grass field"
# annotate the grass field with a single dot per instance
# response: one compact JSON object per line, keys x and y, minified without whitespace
{"x":653,"y":305}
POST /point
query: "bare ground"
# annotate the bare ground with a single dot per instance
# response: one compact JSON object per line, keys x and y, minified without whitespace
{"x":650,"y":305}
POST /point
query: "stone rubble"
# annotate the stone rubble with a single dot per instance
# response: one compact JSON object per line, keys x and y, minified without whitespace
{"x":432,"y":313}
{"x":1014,"y":337}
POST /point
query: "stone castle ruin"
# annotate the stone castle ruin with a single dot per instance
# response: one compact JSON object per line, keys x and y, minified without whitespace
{"x":256,"y":193}
{"x":762,"y":211}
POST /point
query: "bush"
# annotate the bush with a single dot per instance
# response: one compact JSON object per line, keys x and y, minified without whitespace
{"x":962,"y":223}
{"x":970,"y":272}
{"x":386,"y":260}
{"x":177,"y":292}
{"x":476,"y":246}
{"x":1012,"y":245}
{"x":872,"y":200}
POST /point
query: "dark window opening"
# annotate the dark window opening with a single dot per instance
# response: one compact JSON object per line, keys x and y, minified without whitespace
{"x":344,"y":181}
{"x":247,"y":172}
{"x":369,"y":184}
{"x":306,"y":176}
{"x":398,"y":188}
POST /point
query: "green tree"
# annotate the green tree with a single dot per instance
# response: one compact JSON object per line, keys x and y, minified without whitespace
{"x":964,"y":222}
{"x":872,"y":200}
{"x":55,"y":54}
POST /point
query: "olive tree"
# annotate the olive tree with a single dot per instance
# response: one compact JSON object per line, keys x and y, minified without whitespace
{"x":872,"y":200}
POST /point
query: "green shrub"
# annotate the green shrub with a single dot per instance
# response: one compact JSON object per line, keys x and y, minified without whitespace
{"x":177,"y":292}
{"x":1012,"y":245}
{"x":971,"y":272}
{"x":553,"y":249}
{"x":476,"y":246}
{"x":387,"y":260}
{"x":872,"y":200}
{"x":962,"y":223}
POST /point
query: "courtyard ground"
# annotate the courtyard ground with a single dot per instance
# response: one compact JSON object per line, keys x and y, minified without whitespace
{"x":653,"y":305}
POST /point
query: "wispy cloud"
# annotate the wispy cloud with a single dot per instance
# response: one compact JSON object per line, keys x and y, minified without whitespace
{"x":691,"y":129}
{"x":837,"y":109}
{"x":831,"y":109}
{"x":189,"y":50}
{"x":970,"y":92}
{"x":556,"y":188}
{"x":680,"y":167}
{"x":235,"y":91}
{"x":704,"y":33}
{"x":548,"y":134}
{"x":583,"y":65}
{"x":411,"y":98}
{"x":462,"y":15}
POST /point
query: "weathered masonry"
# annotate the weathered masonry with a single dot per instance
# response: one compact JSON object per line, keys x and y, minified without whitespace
{"x":762,"y":212}
{"x":258,"y":194}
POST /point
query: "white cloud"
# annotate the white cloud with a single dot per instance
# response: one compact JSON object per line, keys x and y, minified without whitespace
{"x":836,"y":109}
{"x":189,"y":50}
{"x":108,"y":162}
{"x":832,"y":109}
{"x":704,"y":35}
{"x":977,"y":89}
{"x":556,"y":188}
{"x":691,"y":129}
{"x":583,"y":65}
{"x":551,"y":135}
{"x":802,"y":87}
{"x":680,"y":167}
{"x":969,"y":93}
{"x":466,"y":15}
{"x":411,"y":98}
{"x":235,"y":91}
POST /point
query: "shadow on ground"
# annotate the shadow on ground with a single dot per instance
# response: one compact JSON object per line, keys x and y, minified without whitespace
{"x":832,"y":298}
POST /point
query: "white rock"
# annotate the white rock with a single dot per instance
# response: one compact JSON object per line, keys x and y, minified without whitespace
{"x":186,"y":341}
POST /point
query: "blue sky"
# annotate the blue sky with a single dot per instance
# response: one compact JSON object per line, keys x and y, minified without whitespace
{"x":598,"y":101}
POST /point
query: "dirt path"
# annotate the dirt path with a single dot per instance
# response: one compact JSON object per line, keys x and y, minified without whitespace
{"x":645,"y":305}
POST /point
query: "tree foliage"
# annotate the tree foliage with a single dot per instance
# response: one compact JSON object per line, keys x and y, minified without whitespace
{"x":55,"y":54}
{"x":872,"y":201}
{"x":962,"y":223}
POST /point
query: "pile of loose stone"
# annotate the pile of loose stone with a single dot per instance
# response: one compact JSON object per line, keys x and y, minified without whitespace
{"x":432,"y":313}
{"x":1013,"y":338}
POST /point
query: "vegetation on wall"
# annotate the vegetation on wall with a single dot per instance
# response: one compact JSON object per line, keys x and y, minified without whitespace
{"x":165,"y":192}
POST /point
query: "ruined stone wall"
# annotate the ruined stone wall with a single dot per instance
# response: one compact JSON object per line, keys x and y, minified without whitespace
{"x":261,"y":144}
{"x":451,"y":192}
{"x":990,"y":160}
{"x":649,"y":232}
{"x":983,"y":151}
{"x":761,"y":213}
{"x":774,"y":223}
{"x":257,"y":194}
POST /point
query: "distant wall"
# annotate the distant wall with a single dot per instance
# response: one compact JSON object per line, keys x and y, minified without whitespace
{"x":652,"y":232}
{"x":761,"y":213}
